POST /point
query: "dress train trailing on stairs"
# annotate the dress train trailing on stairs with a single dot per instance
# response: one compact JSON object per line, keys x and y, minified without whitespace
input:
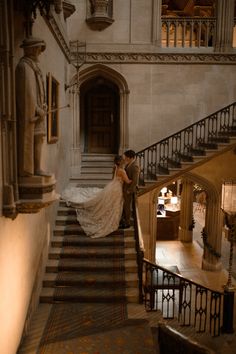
{"x":98,"y":210}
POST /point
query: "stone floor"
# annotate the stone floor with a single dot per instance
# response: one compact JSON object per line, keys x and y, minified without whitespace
{"x":187,"y":257}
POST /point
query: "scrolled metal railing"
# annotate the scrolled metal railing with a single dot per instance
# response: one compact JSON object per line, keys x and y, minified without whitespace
{"x":192,"y":140}
{"x":176,"y":296}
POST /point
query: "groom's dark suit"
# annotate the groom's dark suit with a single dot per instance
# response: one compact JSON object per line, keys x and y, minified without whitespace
{"x":132,"y":171}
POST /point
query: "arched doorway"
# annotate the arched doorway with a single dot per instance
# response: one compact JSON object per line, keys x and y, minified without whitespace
{"x":100,"y":116}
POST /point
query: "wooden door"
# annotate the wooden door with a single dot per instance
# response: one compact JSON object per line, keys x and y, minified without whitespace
{"x":102,"y":134}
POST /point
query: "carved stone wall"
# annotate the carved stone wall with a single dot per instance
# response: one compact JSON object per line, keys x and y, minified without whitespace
{"x":8,"y":118}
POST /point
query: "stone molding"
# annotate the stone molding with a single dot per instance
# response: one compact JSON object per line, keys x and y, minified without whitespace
{"x":158,"y":58}
{"x":58,"y":31}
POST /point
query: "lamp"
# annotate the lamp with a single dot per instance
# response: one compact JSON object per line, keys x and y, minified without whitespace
{"x":228,"y":205}
{"x":163,"y":191}
{"x":174,"y":200}
{"x":78,"y":58}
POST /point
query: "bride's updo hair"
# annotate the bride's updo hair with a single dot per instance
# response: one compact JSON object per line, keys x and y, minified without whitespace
{"x":117,"y":160}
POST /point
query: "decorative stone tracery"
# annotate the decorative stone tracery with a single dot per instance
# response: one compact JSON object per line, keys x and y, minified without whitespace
{"x":100,"y":14}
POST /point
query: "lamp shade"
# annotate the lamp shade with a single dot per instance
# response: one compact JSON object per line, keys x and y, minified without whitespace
{"x":228,"y":202}
{"x":174,"y":200}
{"x":164,"y":190}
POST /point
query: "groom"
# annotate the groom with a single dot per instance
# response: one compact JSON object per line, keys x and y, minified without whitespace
{"x":129,"y":190}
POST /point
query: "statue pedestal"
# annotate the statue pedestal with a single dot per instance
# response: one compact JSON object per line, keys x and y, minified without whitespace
{"x":35,"y":193}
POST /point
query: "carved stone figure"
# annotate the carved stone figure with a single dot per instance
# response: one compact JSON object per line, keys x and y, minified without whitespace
{"x":31,"y":109}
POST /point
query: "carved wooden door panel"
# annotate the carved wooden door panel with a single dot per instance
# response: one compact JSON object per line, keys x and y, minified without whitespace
{"x":101,"y":124}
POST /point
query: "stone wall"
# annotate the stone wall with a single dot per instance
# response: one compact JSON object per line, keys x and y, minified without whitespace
{"x":165,"y":93}
{"x":24,"y":241}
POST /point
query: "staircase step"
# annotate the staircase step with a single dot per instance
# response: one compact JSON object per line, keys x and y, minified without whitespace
{"x":97,"y":157}
{"x":67,"y":220}
{"x":100,"y":164}
{"x":73,"y":294}
{"x":197,"y":158}
{"x":68,"y":230}
{"x":173,"y":170}
{"x":78,"y":182}
{"x":88,"y":253}
{"x":219,"y":139}
{"x":85,"y":241}
{"x":82,"y":294}
{"x":64,"y":211}
{"x":88,"y":279}
{"x":94,"y":176}
{"x":104,"y":265}
{"x":96,"y":170}
{"x":76,"y":229}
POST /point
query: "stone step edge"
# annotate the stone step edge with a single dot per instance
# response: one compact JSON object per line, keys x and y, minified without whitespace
{"x":125,"y":251}
{"x":49,"y":293}
{"x":54,"y":276}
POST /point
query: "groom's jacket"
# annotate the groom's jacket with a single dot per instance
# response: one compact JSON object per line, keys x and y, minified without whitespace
{"x":132,"y":171}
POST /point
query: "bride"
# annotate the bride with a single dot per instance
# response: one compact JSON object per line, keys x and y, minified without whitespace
{"x":99,"y":210}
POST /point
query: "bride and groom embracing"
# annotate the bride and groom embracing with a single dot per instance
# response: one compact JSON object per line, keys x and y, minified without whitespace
{"x":102,"y":211}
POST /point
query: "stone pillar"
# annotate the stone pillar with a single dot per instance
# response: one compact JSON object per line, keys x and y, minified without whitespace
{"x":224,"y":26}
{"x":8,"y":148}
{"x":124,"y":126}
{"x":186,"y":212}
{"x":156,"y":23}
{"x":212,"y":235}
{"x":147,"y":207}
{"x":75,"y":149}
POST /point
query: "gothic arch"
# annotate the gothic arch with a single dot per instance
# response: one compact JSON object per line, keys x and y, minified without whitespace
{"x":110,"y":74}
{"x":213,"y":224}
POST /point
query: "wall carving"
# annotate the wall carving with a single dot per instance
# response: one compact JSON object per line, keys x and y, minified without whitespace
{"x":59,"y":33}
{"x":157,"y":58}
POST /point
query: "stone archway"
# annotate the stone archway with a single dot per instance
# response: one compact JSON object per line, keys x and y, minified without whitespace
{"x":99,"y":116}
{"x":213,"y":222}
{"x":119,"y":81}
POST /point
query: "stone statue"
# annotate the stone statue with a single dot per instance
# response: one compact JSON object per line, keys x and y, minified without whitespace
{"x":30,"y":109}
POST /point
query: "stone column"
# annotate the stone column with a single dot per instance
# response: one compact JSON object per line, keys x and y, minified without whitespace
{"x":124,"y":126}
{"x":186,"y":212}
{"x":75,"y":149}
{"x":224,"y":26}
{"x":212,"y":235}
{"x":156,"y":23}
{"x":8,"y":148}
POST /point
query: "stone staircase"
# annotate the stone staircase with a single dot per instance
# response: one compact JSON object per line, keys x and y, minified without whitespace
{"x":96,"y":170}
{"x":82,"y":269}
{"x":187,"y":164}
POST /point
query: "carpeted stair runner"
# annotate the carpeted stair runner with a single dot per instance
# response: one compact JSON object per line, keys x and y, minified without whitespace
{"x":80,"y":328}
{"x":86,"y":290}
{"x":83,"y":269}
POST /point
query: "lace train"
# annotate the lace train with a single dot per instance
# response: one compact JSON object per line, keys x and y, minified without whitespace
{"x":98,"y":210}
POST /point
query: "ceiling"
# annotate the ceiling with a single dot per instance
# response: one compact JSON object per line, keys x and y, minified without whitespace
{"x":192,"y":8}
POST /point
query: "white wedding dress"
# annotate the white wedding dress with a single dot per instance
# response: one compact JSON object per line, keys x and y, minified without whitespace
{"x":98,"y":210}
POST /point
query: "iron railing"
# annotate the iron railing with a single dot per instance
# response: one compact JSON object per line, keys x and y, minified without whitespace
{"x":188,"y":32}
{"x":177,"y":297}
{"x":192,"y":140}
